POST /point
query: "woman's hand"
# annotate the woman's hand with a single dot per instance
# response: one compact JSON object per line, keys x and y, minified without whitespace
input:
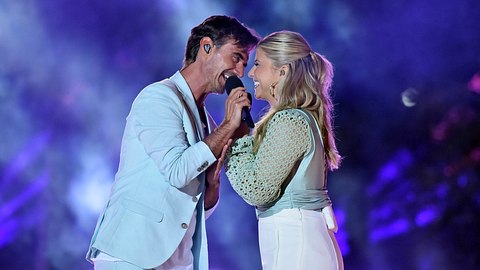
{"x":213,"y":178}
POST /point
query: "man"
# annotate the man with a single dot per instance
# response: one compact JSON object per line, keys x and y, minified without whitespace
{"x":168,"y":177}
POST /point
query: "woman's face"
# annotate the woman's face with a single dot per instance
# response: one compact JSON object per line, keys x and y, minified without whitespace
{"x":264,"y":74}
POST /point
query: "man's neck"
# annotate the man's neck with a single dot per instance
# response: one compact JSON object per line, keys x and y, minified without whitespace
{"x":196,"y":82}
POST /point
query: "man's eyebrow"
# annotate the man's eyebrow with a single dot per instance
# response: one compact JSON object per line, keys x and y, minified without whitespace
{"x":239,"y":55}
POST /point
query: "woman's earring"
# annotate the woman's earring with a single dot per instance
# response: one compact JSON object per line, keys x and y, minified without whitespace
{"x":282,"y":72}
{"x":272,"y":89}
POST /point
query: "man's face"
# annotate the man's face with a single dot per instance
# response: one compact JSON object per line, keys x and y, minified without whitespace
{"x":227,"y":60}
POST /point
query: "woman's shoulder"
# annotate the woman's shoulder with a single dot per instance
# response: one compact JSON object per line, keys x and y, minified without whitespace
{"x":291,"y":116}
{"x":291,"y":113}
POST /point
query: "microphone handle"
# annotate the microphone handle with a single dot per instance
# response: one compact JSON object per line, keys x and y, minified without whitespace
{"x":247,"y":118}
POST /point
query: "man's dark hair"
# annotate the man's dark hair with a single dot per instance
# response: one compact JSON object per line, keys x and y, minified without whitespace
{"x":220,"y":29}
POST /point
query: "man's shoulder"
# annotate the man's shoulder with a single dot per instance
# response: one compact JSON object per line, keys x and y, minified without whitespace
{"x":159,"y":85}
{"x":158,"y":89}
{"x":158,"y":95}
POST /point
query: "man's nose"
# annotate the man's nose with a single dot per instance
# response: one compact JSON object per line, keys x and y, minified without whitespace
{"x":239,"y":70}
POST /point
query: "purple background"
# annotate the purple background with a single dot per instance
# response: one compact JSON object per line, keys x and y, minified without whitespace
{"x":407,"y":96}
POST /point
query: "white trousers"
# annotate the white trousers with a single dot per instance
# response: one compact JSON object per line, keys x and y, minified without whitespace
{"x":297,"y":239}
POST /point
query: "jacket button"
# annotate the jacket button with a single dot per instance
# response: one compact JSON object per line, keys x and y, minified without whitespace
{"x":203,"y":166}
{"x":194,"y":199}
{"x":184,"y":225}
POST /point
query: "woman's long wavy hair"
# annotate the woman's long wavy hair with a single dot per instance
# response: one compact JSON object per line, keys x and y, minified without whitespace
{"x":305,"y":86}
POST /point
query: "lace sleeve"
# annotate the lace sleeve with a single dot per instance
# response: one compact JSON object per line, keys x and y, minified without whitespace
{"x":257,"y":178}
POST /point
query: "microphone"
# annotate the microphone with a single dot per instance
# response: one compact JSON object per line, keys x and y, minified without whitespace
{"x":234,"y":82}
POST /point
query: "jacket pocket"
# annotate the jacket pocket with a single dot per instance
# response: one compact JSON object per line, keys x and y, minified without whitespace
{"x":143,"y":210}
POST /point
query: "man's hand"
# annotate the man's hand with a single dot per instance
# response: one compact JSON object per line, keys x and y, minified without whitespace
{"x":231,"y":121}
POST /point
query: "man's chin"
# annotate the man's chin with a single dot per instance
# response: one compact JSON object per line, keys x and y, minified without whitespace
{"x":220,"y":91}
{"x":217,"y":91}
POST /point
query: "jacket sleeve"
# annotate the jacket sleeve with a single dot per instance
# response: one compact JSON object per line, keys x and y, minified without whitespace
{"x":163,"y":127}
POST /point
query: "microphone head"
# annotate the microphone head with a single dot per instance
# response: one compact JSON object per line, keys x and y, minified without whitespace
{"x":232,"y":82}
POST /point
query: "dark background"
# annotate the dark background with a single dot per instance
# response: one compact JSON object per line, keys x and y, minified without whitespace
{"x":407,"y":119}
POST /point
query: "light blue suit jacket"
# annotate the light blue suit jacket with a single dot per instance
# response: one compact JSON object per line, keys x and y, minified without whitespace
{"x":160,"y":180}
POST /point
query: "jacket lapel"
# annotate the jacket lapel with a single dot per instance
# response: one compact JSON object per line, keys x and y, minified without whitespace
{"x":191,"y":106}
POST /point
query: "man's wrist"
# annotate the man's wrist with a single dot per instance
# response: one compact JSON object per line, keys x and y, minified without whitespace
{"x":212,"y":193}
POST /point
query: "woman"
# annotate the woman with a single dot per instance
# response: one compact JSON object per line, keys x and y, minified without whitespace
{"x":282,"y":169}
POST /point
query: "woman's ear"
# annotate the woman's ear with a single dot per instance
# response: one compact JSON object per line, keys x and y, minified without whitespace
{"x":283,"y":70}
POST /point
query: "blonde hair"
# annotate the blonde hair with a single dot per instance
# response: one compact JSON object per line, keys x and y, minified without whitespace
{"x":305,"y":86}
